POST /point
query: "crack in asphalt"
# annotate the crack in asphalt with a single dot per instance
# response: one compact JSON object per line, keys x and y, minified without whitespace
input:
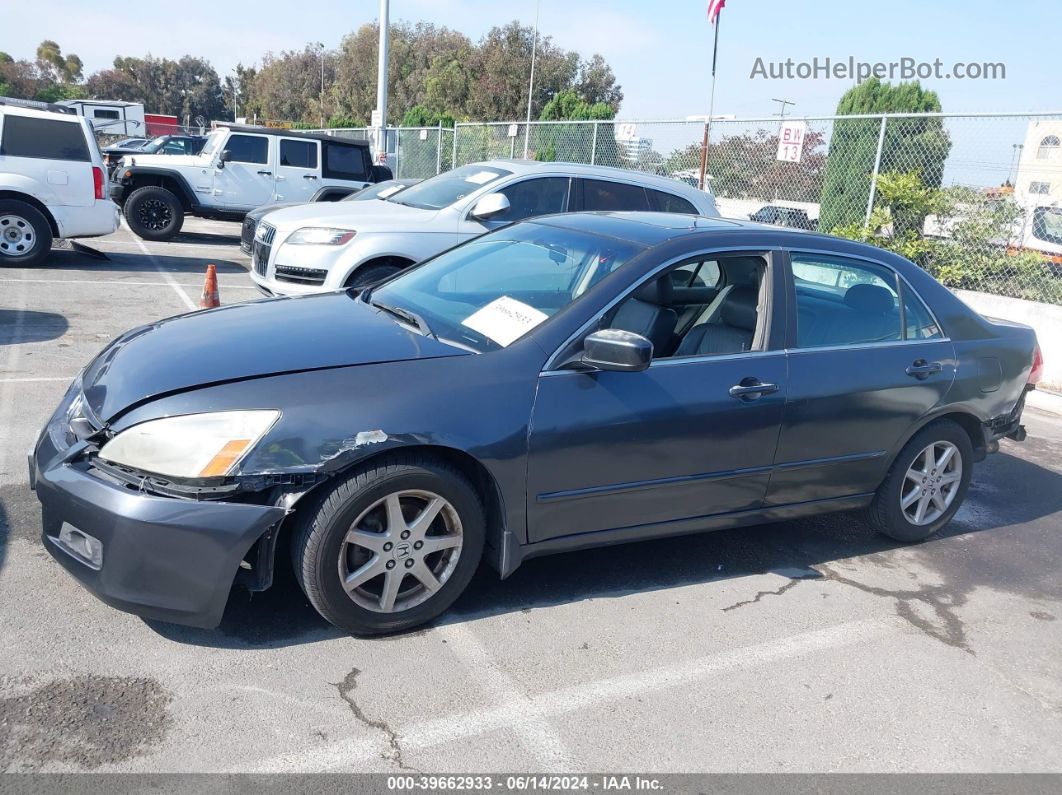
{"x":760,"y":595}
{"x":939,"y":598}
{"x":346,"y":689}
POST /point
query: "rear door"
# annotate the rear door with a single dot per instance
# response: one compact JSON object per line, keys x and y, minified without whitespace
{"x":246,"y":181}
{"x":54,"y":153}
{"x":866,"y":361}
{"x":298,"y":168}
{"x":605,"y":195}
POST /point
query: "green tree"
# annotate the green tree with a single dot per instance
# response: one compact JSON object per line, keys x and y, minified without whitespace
{"x":420,"y":116}
{"x":920,"y":144}
{"x":188,"y":88}
{"x":57,"y":67}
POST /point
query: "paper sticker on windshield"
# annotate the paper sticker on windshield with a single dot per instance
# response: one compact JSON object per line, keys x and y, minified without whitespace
{"x":504,"y":320}
{"x":481,"y":177}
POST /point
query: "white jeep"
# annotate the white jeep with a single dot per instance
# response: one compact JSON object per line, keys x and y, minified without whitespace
{"x":238,"y":169}
{"x":52,"y":183}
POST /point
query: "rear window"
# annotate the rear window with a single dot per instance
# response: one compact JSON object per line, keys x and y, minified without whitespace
{"x":298,"y":154}
{"x":619,"y":196}
{"x":345,"y":162}
{"x":669,"y":203}
{"x":43,"y":138}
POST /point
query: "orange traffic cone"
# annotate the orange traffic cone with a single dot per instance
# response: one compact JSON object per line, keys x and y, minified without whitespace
{"x":210,"y":297}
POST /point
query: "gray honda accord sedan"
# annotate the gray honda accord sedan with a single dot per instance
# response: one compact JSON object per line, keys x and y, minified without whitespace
{"x":558,"y":384}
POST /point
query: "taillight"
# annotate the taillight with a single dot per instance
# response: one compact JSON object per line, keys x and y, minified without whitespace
{"x":1037,"y":371}
{"x":97,"y":181}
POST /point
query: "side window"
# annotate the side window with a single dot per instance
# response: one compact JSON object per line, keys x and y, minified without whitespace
{"x":669,"y":203}
{"x":920,"y":324}
{"x":43,"y":138}
{"x":248,"y":148}
{"x":844,"y":302}
{"x":298,"y":154}
{"x":534,"y":197}
{"x":601,"y":195}
{"x":104,"y":114}
{"x":696,"y":274}
{"x":345,"y":162}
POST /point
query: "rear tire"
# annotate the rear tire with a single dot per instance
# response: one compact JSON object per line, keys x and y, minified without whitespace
{"x":154,"y":213}
{"x":25,"y":235}
{"x":372,"y":275}
{"x":372,"y":556}
{"x":925,"y":485}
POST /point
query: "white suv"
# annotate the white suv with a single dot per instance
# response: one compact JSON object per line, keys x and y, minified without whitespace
{"x":52,"y":183}
{"x":238,"y":169}
{"x":319,"y":247}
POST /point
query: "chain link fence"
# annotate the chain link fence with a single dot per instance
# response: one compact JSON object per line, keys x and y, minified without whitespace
{"x":975,"y":199}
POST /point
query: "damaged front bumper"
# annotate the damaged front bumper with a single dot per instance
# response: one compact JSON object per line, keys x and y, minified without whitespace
{"x":156,"y":556}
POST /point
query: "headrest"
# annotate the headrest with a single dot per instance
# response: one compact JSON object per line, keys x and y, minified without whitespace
{"x":869,"y":298}
{"x":739,"y":308}
{"x":742,"y":271}
{"x":658,"y":291}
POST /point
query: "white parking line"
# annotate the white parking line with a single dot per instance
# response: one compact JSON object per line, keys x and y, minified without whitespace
{"x":535,"y":732}
{"x":129,"y":283}
{"x":512,"y":714}
{"x":188,"y":302}
{"x":17,"y":297}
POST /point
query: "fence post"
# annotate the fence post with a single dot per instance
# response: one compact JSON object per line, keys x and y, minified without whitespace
{"x":874,"y":173}
{"x":438,"y":152}
{"x":593,"y":146}
{"x":457,"y":126}
{"x":527,"y":140}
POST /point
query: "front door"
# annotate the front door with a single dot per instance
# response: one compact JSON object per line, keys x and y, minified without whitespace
{"x":246,"y":180}
{"x":861,"y":375}
{"x":681,"y":440}
{"x":297,"y":169}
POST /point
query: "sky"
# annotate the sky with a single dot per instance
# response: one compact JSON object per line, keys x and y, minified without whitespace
{"x":660,"y":51}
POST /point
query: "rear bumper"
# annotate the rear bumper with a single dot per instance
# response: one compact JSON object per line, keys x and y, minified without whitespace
{"x":163,"y":558}
{"x":95,"y":220}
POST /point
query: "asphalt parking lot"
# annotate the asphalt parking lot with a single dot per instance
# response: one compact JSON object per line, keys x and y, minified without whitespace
{"x":803,"y":646}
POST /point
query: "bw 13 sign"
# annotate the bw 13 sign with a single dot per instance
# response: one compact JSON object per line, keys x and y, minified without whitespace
{"x":791,"y":140}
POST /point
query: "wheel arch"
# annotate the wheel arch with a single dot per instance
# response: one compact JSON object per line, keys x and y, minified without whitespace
{"x":968,"y":421}
{"x":396,"y":260}
{"x":160,"y":178}
{"x":36,"y":204}
{"x":478,"y":474}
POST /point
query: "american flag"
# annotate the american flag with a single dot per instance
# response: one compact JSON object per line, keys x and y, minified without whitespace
{"x":714,"y":7}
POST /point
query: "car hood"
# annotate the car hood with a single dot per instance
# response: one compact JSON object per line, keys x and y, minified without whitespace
{"x":250,"y":340}
{"x":166,"y":161}
{"x":371,"y":216}
{"x":257,"y":213}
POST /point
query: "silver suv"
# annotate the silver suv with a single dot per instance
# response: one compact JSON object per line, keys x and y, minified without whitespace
{"x":319,"y":247}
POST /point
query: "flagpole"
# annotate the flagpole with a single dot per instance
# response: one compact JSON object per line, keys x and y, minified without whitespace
{"x":711,"y":103}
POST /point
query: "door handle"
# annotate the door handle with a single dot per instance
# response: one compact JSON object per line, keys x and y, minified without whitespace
{"x":921,"y":369}
{"x":309,"y":176}
{"x":266,"y":173}
{"x":751,"y":389}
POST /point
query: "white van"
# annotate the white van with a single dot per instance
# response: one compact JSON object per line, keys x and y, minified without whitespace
{"x":52,"y":183}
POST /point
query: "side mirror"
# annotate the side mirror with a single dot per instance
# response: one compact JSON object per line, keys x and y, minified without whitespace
{"x":382,"y":174}
{"x":615,"y":349}
{"x":489,"y":206}
{"x":226,"y":156}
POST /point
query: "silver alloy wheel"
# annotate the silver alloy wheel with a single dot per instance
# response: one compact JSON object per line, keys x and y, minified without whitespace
{"x":931,"y":483}
{"x":17,"y":236}
{"x":400,"y":551}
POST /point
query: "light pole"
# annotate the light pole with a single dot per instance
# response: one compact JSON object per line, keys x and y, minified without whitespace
{"x":321,"y":54}
{"x":381,"y":81}
{"x":531,"y":83}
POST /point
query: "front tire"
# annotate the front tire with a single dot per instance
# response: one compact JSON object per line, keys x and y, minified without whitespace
{"x":371,"y":275}
{"x":391,"y":546}
{"x":925,"y":485}
{"x":154,"y":213}
{"x":25,"y":236}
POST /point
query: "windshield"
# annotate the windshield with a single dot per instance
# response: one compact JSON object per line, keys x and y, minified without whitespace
{"x":381,"y":190}
{"x":446,"y":188}
{"x":491,"y":291}
{"x":212,"y":142}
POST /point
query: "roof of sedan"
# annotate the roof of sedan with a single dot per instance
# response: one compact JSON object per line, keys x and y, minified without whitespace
{"x":583,"y":169}
{"x":652,"y":228}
